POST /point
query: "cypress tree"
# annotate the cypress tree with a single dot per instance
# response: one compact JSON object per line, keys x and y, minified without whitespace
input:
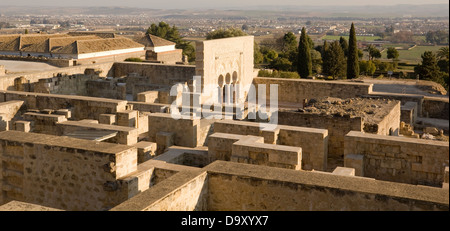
{"x":352,"y":59}
{"x":325,"y":58}
{"x":337,"y":61}
{"x":344,"y":45}
{"x":304,"y":67}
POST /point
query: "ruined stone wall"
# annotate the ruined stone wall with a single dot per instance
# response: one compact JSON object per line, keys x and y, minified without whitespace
{"x":399,"y":159}
{"x":82,"y":107}
{"x":64,"y":85}
{"x":7,"y":82}
{"x":435,"y":108}
{"x":63,"y":172}
{"x":106,"y":89}
{"x":337,"y":127}
{"x":233,"y":187}
{"x":296,"y":90}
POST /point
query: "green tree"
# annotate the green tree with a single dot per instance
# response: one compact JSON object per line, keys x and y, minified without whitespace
{"x":344,"y":45}
{"x":352,"y":58}
{"x":316,"y":58}
{"x":165,"y":31}
{"x":26,"y":31}
{"x":270,"y":55}
{"x":338,"y":65}
{"x":373,"y":52}
{"x":281,"y":64}
{"x":326,"y":59}
{"x":443,"y":62}
{"x":367,"y":67}
{"x":304,"y":67}
{"x":257,"y":55}
{"x":428,"y":69}
{"x":392,"y":53}
{"x":289,"y":42}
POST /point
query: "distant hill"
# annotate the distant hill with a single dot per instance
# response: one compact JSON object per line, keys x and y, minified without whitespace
{"x":426,"y":10}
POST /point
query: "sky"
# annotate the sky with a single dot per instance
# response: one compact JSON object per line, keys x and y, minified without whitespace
{"x":180,"y":4}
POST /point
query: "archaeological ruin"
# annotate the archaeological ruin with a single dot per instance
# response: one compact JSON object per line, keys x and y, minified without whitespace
{"x":163,"y":135}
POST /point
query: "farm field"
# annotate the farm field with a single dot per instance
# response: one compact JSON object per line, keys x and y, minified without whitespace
{"x":413,"y":55}
{"x":359,"y":38}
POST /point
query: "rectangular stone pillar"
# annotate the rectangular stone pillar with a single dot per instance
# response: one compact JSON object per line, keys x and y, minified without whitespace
{"x":23,"y":126}
{"x":146,"y":150}
{"x":343,"y":171}
{"x":163,"y":141}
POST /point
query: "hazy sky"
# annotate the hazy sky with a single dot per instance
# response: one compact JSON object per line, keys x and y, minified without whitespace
{"x":179,"y":4}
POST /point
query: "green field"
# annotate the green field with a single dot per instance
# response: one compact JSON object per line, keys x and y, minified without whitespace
{"x":414,"y":54}
{"x":359,"y":38}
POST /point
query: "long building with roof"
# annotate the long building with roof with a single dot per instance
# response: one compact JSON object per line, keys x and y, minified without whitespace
{"x":81,"y":48}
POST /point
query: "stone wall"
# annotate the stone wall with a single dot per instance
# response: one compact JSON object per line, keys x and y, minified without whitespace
{"x":155,"y":73}
{"x":228,"y":186}
{"x":7,"y":82}
{"x":83,"y":107}
{"x":390,"y":124}
{"x":111,"y":58}
{"x":337,"y":127}
{"x":238,"y":187}
{"x":399,"y":159}
{"x":314,"y":142}
{"x":167,"y":57}
{"x":280,"y":156}
{"x":436,"y":108}
{"x":184,"y":191}
{"x":312,"y":89}
{"x":8,"y":111}
{"x":185,"y":130}
{"x":106,"y":89}
{"x":62,"y":172}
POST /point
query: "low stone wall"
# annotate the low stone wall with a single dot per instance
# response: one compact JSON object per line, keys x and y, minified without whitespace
{"x":337,"y":127}
{"x":238,"y":187}
{"x":63,"y":172}
{"x":167,"y":57}
{"x":228,"y":186}
{"x":399,"y":159}
{"x":83,"y":107}
{"x":312,"y":89}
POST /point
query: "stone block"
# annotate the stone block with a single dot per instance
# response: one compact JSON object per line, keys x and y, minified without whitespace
{"x":356,"y":162}
{"x":109,"y":119}
{"x":163,"y":141}
{"x":344,"y":171}
{"x":23,"y":126}
{"x":146,"y":150}
{"x":128,"y":118}
{"x":65,"y":112}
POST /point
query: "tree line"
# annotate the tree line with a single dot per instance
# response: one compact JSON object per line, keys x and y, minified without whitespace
{"x":339,"y":59}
